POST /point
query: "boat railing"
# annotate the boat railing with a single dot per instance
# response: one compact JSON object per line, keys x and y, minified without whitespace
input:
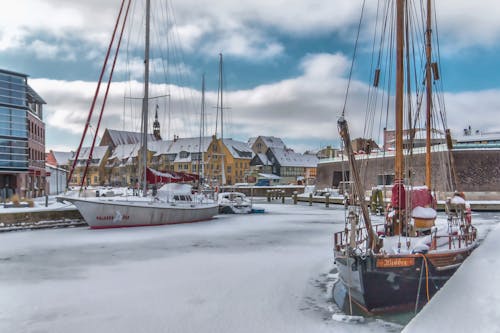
{"x":342,"y":238}
{"x":460,"y":239}
{"x":464,"y":238}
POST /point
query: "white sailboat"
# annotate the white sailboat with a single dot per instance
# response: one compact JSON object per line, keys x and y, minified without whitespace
{"x":174,"y":203}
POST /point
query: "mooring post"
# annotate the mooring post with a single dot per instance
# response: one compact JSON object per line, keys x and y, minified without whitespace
{"x":294,"y":197}
{"x":283,"y":196}
{"x":310,"y":199}
{"x":46,"y":200}
{"x":327,"y":200}
{"x":268,"y":196}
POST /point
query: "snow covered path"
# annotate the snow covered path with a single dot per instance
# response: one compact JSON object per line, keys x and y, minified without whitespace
{"x":470,"y":300}
{"x":252,"y":273}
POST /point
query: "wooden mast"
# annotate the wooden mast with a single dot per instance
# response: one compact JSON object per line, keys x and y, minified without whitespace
{"x":145,"y":102}
{"x":398,"y":190}
{"x":428,"y":82}
{"x":399,"y":161}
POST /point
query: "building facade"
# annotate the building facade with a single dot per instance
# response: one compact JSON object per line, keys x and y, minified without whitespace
{"x":227,"y":161}
{"x":22,"y":137}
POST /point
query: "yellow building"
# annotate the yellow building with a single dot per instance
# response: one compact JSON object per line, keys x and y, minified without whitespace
{"x":96,"y":173}
{"x":228,"y":162}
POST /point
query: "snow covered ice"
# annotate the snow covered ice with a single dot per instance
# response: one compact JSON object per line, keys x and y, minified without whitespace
{"x":236,"y":273}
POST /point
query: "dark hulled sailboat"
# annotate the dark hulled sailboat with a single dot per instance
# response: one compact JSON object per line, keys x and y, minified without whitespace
{"x":403,"y":262}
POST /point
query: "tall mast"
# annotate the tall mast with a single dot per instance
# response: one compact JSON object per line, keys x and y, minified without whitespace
{"x":145,"y":101}
{"x":428,"y":79}
{"x":221,"y":89}
{"x":201,"y":161}
{"x":399,"y":163}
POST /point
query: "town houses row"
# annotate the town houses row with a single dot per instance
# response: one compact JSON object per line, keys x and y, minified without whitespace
{"x":221,"y":162}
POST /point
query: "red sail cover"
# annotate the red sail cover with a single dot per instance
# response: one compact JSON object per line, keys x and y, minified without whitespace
{"x":398,"y":198}
{"x":156,"y":177}
{"x":422,"y":197}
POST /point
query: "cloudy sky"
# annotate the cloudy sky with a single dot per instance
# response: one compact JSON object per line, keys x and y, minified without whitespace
{"x":285,"y":64}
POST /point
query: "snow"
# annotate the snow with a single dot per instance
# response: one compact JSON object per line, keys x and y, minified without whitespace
{"x":469,"y":302}
{"x":236,"y":273}
{"x":424,"y":212}
{"x":268,"y":272}
{"x":457,"y":200}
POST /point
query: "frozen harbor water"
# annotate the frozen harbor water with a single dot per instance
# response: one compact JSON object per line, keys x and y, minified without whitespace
{"x":249,"y":273}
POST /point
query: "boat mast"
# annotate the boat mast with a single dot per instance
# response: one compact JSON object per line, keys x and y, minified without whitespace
{"x":428,"y":79}
{"x":399,"y":159}
{"x":145,"y":101}
{"x":221,"y":87}
{"x":201,"y":161}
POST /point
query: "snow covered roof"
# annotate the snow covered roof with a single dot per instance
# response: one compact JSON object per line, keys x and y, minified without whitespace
{"x":290,"y":158}
{"x":190,"y":145}
{"x":125,"y":151}
{"x":273,"y":142}
{"x":97,"y":154}
{"x":160,"y":147}
{"x":263,"y":158}
{"x":238,"y":149}
{"x":125,"y":137}
{"x":62,"y":157}
{"x":251,"y":141}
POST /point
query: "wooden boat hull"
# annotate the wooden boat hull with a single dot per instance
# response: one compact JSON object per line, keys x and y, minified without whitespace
{"x":128,"y":213}
{"x":379,"y":284}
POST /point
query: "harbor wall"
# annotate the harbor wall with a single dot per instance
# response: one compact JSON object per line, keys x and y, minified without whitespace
{"x":477,"y":170}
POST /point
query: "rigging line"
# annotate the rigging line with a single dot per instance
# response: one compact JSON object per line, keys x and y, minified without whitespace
{"x":353,"y":57}
{"x":96,"y":91}
{"x":180,"y":55}
{"x":110,"y":78}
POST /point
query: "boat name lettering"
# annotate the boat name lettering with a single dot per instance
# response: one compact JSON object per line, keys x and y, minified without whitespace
{"x":395,"y":262}
{"x":111,"y":217}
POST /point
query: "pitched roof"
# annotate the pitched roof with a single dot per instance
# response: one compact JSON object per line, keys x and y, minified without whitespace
{"x":190,"y":145}
{"x":286,"y":157}
{"x":62,"y":157}
{"x":263,"y":158}
{"x":125,"y":137}
{"x":238,"y":149}
{"x":273,"y":142}
{"x":98,"y":153}
{"x":125,"y":151}
{"x":160,"y":147}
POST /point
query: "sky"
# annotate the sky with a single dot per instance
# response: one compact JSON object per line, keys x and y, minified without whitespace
{"x":286,"y":65}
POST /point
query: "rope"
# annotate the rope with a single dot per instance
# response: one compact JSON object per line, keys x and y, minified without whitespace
{"x":353,"y":57}
{"x":426,"y":275}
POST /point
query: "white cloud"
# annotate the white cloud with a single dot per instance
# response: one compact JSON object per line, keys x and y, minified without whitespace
{"x":241,"y":28}
{"x":302,"y":108}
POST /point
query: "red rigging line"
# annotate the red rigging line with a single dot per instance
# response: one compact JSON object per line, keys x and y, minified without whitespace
{"x":96,"y":93}
{"x":106,"y":93}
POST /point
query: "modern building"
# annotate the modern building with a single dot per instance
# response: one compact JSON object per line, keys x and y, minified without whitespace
{"x":22,"y":137}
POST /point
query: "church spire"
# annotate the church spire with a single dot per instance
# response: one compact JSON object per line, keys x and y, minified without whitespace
{"x":156,"y":126}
